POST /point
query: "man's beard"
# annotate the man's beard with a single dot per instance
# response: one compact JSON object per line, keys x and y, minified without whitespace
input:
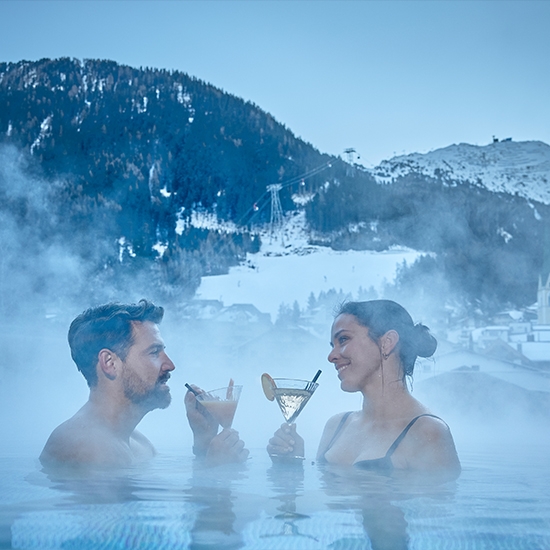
{"x":156,"y":397}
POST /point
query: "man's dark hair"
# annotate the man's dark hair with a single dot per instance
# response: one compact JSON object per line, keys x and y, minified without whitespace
{"x":107,"y":327}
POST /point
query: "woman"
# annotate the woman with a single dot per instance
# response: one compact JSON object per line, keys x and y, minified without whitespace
{"x":374,"y":347}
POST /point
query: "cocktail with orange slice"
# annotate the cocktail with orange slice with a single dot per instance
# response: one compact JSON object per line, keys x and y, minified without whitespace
{"x":291,"y":394}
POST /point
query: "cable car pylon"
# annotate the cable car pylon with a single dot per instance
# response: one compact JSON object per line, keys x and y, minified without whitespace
{"x":276,"y":222}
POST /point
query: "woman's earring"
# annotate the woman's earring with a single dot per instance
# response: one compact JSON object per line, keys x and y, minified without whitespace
{"x":385,"y":355}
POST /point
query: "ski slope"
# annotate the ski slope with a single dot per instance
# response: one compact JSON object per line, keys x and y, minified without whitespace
{"x":288,"y":271}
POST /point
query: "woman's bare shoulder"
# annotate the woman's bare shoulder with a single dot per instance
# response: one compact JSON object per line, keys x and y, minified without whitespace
{"x":430,"y":446}
{"x":330,"y":429}
{"x":429,"y":427}
{"x":334,"y":421}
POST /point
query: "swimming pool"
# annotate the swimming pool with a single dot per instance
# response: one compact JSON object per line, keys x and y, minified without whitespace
{"x":501,"y":500}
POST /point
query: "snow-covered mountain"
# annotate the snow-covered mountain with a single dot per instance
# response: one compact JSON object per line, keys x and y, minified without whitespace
{"x":503,"y":166}
{"x":152,"y":179}
{"x":436,"y":222}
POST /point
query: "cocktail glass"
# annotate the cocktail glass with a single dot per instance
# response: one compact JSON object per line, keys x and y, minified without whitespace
{"x":292,"y":395}
{"x":221,"y":403}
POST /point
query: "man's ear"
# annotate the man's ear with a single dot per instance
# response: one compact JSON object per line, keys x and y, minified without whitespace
{"x":389,"y":341}
{"x":107,"y":361}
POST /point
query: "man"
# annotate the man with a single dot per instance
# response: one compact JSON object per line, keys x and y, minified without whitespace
{"x":119,"y":350}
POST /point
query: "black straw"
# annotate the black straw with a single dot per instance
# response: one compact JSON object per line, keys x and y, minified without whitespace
{"x":316,"y":376}
{"x":195,"y":391}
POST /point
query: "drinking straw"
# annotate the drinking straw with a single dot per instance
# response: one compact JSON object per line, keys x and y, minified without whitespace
{"x":309,"y":386}
{"x":191,"y":389}
{"x":198,"y":405}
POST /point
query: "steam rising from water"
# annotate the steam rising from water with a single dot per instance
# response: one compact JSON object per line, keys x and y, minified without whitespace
{"x":44,"y":286}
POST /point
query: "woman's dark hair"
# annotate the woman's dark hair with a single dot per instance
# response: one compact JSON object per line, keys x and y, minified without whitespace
{"x":380,"y":316}
{"x":108,"y":326}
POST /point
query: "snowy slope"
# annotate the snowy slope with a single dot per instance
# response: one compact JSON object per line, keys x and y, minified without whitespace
{"x":505,"y":166}
{"x":283,"y":272}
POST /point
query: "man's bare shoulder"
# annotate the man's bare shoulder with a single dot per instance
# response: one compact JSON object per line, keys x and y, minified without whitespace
{"x":142,"y":448}
{"x":75,"y":441}
{"x":83,"y":441}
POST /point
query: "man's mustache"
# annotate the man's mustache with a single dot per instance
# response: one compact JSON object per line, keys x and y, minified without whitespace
{"x":163,"y":378}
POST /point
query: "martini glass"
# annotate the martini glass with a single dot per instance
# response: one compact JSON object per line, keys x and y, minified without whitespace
{"x":291,"y":394}
{"x":221,"y":403}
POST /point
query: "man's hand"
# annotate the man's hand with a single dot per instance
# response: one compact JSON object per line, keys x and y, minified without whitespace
{"x":202,"y":423}
{"x":286,"y":442}
{"x":225,"y":448}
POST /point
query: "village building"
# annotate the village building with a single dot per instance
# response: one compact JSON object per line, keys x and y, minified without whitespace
{"x":499,"y":371}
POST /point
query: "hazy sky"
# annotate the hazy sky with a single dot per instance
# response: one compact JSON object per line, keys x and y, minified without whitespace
{"x":385,"y":78}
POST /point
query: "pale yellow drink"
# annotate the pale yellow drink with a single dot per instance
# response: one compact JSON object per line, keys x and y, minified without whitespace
{"x":291,"y":401}
{"x":221,"y":404}
{"x":222,"y":411}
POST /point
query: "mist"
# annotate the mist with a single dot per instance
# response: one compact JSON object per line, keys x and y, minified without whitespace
{"x":49,"y":275}
{"x":45,"y":283}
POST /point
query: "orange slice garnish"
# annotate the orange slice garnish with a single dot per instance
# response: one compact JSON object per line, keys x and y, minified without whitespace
{"x":268,"y":384}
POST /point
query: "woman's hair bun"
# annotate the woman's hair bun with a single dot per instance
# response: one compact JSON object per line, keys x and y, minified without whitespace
{"x":426,"y":344}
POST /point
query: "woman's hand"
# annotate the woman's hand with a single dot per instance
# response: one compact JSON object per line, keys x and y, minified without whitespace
{"x":286,"y":443}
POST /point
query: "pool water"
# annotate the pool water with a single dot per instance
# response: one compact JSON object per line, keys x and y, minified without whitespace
{"x":501,"y":500}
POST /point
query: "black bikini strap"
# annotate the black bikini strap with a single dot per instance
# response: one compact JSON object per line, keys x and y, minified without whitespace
{"x":400,"y":437}
{"x":337,"y":431}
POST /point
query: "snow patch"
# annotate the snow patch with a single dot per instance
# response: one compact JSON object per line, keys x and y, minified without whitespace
{"x":301,"y":199}
{"x":180,"y":222}
{"x":124,"y":246}
{"x":160,"y":248}
{"x":30,"y":79}
{"x":538,"y":217}
{"x":182,"y":96}
{"x":45,"y":129}
{"x":504,"y":234}
{"x":185,"y":99}
{"x":203,"y":220}
{"x":210,"y":221}
{"x":140,"y":106}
